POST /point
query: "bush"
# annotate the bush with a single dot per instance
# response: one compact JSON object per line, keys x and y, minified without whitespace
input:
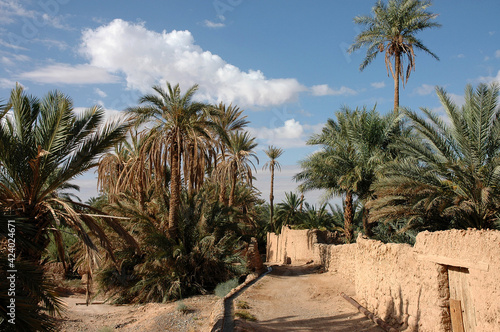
{"x":224,"y":288}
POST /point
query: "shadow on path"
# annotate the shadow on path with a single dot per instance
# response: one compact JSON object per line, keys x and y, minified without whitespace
{"x":337,"y":323}
{"x":302,"y":298}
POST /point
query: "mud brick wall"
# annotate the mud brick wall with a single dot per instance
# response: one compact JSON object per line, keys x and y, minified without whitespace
{"x":410,"y":287}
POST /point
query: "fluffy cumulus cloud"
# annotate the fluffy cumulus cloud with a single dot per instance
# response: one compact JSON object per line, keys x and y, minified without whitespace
{"x":63,"y":73}
{"x":291,"y":134}
{"x":325,"y":90}
{"x":147,"y":57}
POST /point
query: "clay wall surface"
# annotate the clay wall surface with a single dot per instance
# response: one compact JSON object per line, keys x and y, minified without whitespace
{"x":291,"y":246}
{"x":337,"y":258}
{"x":404,"y":291}
{"x":478,"y":252}
{"x":410,"y":286}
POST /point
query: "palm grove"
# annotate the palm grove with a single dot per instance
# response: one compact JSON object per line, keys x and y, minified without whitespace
{"x":177,"y":207}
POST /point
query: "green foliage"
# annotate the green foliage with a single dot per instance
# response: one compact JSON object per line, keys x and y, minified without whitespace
{"x":45,"y":144}
{"x":450,"y":175}
{"x":392,"y":30}
{"x":224,"y":288}
{"x":201,"y":256}
{"x":182,"y":307}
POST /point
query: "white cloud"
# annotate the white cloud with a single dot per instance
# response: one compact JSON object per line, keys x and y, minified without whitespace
{"x":213,"y":25}
{"x":49,"y":43}
{"x":291,"y":134}
{"x":461,"y":56}
{"x":7,"y":84}
{"x":110,"y":115}
{"x":101,"y":93}
{"x":490,"y":79}
{"x":147,"y":57}
{"x":378,"y":85}
{"x":10,"y":10}
{"x":424,"y":90}
{"x":63,"y":73}
{"x":497,"y":54}
{"x":325,"y":90}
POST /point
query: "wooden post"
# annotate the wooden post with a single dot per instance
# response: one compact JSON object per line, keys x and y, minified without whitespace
{"x":457,"y":323}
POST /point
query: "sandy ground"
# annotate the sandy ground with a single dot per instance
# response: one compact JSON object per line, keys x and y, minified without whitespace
{"x":290,"y":298}
{"x":151,"y":317}
{"x":300,"y":298}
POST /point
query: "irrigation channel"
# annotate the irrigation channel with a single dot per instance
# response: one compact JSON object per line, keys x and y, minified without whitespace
{"x":228,"y":320}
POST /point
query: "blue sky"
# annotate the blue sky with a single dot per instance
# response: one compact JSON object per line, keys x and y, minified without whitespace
{"x":283,"y":62}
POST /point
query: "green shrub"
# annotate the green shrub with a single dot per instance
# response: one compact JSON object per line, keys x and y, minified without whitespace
{"x":224,"y":288}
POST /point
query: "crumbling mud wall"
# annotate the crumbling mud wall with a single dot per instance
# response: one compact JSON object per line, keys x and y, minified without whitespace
{"x":410,"y":287}
{"x":291,"y":246}
{"x":404,"y":291}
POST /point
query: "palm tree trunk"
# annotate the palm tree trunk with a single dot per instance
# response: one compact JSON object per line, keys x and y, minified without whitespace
{"x":367,"y":228}
{"x":397,"y":70}
{"x":233,"y":189}
{"x":175,"y":190}
{"x":222,"y":193}
{"x":271,"y":199}
{"x":348,"y":217}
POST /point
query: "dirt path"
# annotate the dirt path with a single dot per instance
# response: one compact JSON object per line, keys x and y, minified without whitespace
{"x":298,"y":298}
{"x":150,"y":317}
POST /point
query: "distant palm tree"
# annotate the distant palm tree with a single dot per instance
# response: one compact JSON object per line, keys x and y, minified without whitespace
{"x":238,"y":161}
{"x":450,"y":177}
{"x":392,"y":30}
{"x":181,"y":132}
{"x":273,"y":153}
{"x":228,"y":119}
{"x":288,"y":211}
{"x":353,"y":146}
{"x":126,"y":169}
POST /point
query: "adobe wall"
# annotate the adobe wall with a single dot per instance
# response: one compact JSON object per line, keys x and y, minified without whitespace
{"x":291,"y":246}
{"x":404,"y":285}
{"x":404,"y":291}
{"x":479,"y":252}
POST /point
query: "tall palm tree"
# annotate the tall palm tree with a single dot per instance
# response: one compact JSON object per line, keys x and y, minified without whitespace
{"x":238,"y":161}
{"x":228,"y":119}
{"x":126,"y":169}
{"x":353,"y":147}
{"x":392,"y":29}
{"x":180,"y":133}
{"x":43,"y":146}
{"x":273,"y":153}
{"x":451,"y":175}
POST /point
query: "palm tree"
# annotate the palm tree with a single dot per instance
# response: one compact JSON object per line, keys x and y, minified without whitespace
{"x":451,"y":175}
{"x":43,"y":146}
{"x":126,"y":169}
{"x":288,"y":211}
{"x":392,"y":30}
{"x":273,"y":153}
{"x":238,"y":161}
{"x":353,"y":147}
{"x":180,"y":133}
{"x":228,"y":119}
